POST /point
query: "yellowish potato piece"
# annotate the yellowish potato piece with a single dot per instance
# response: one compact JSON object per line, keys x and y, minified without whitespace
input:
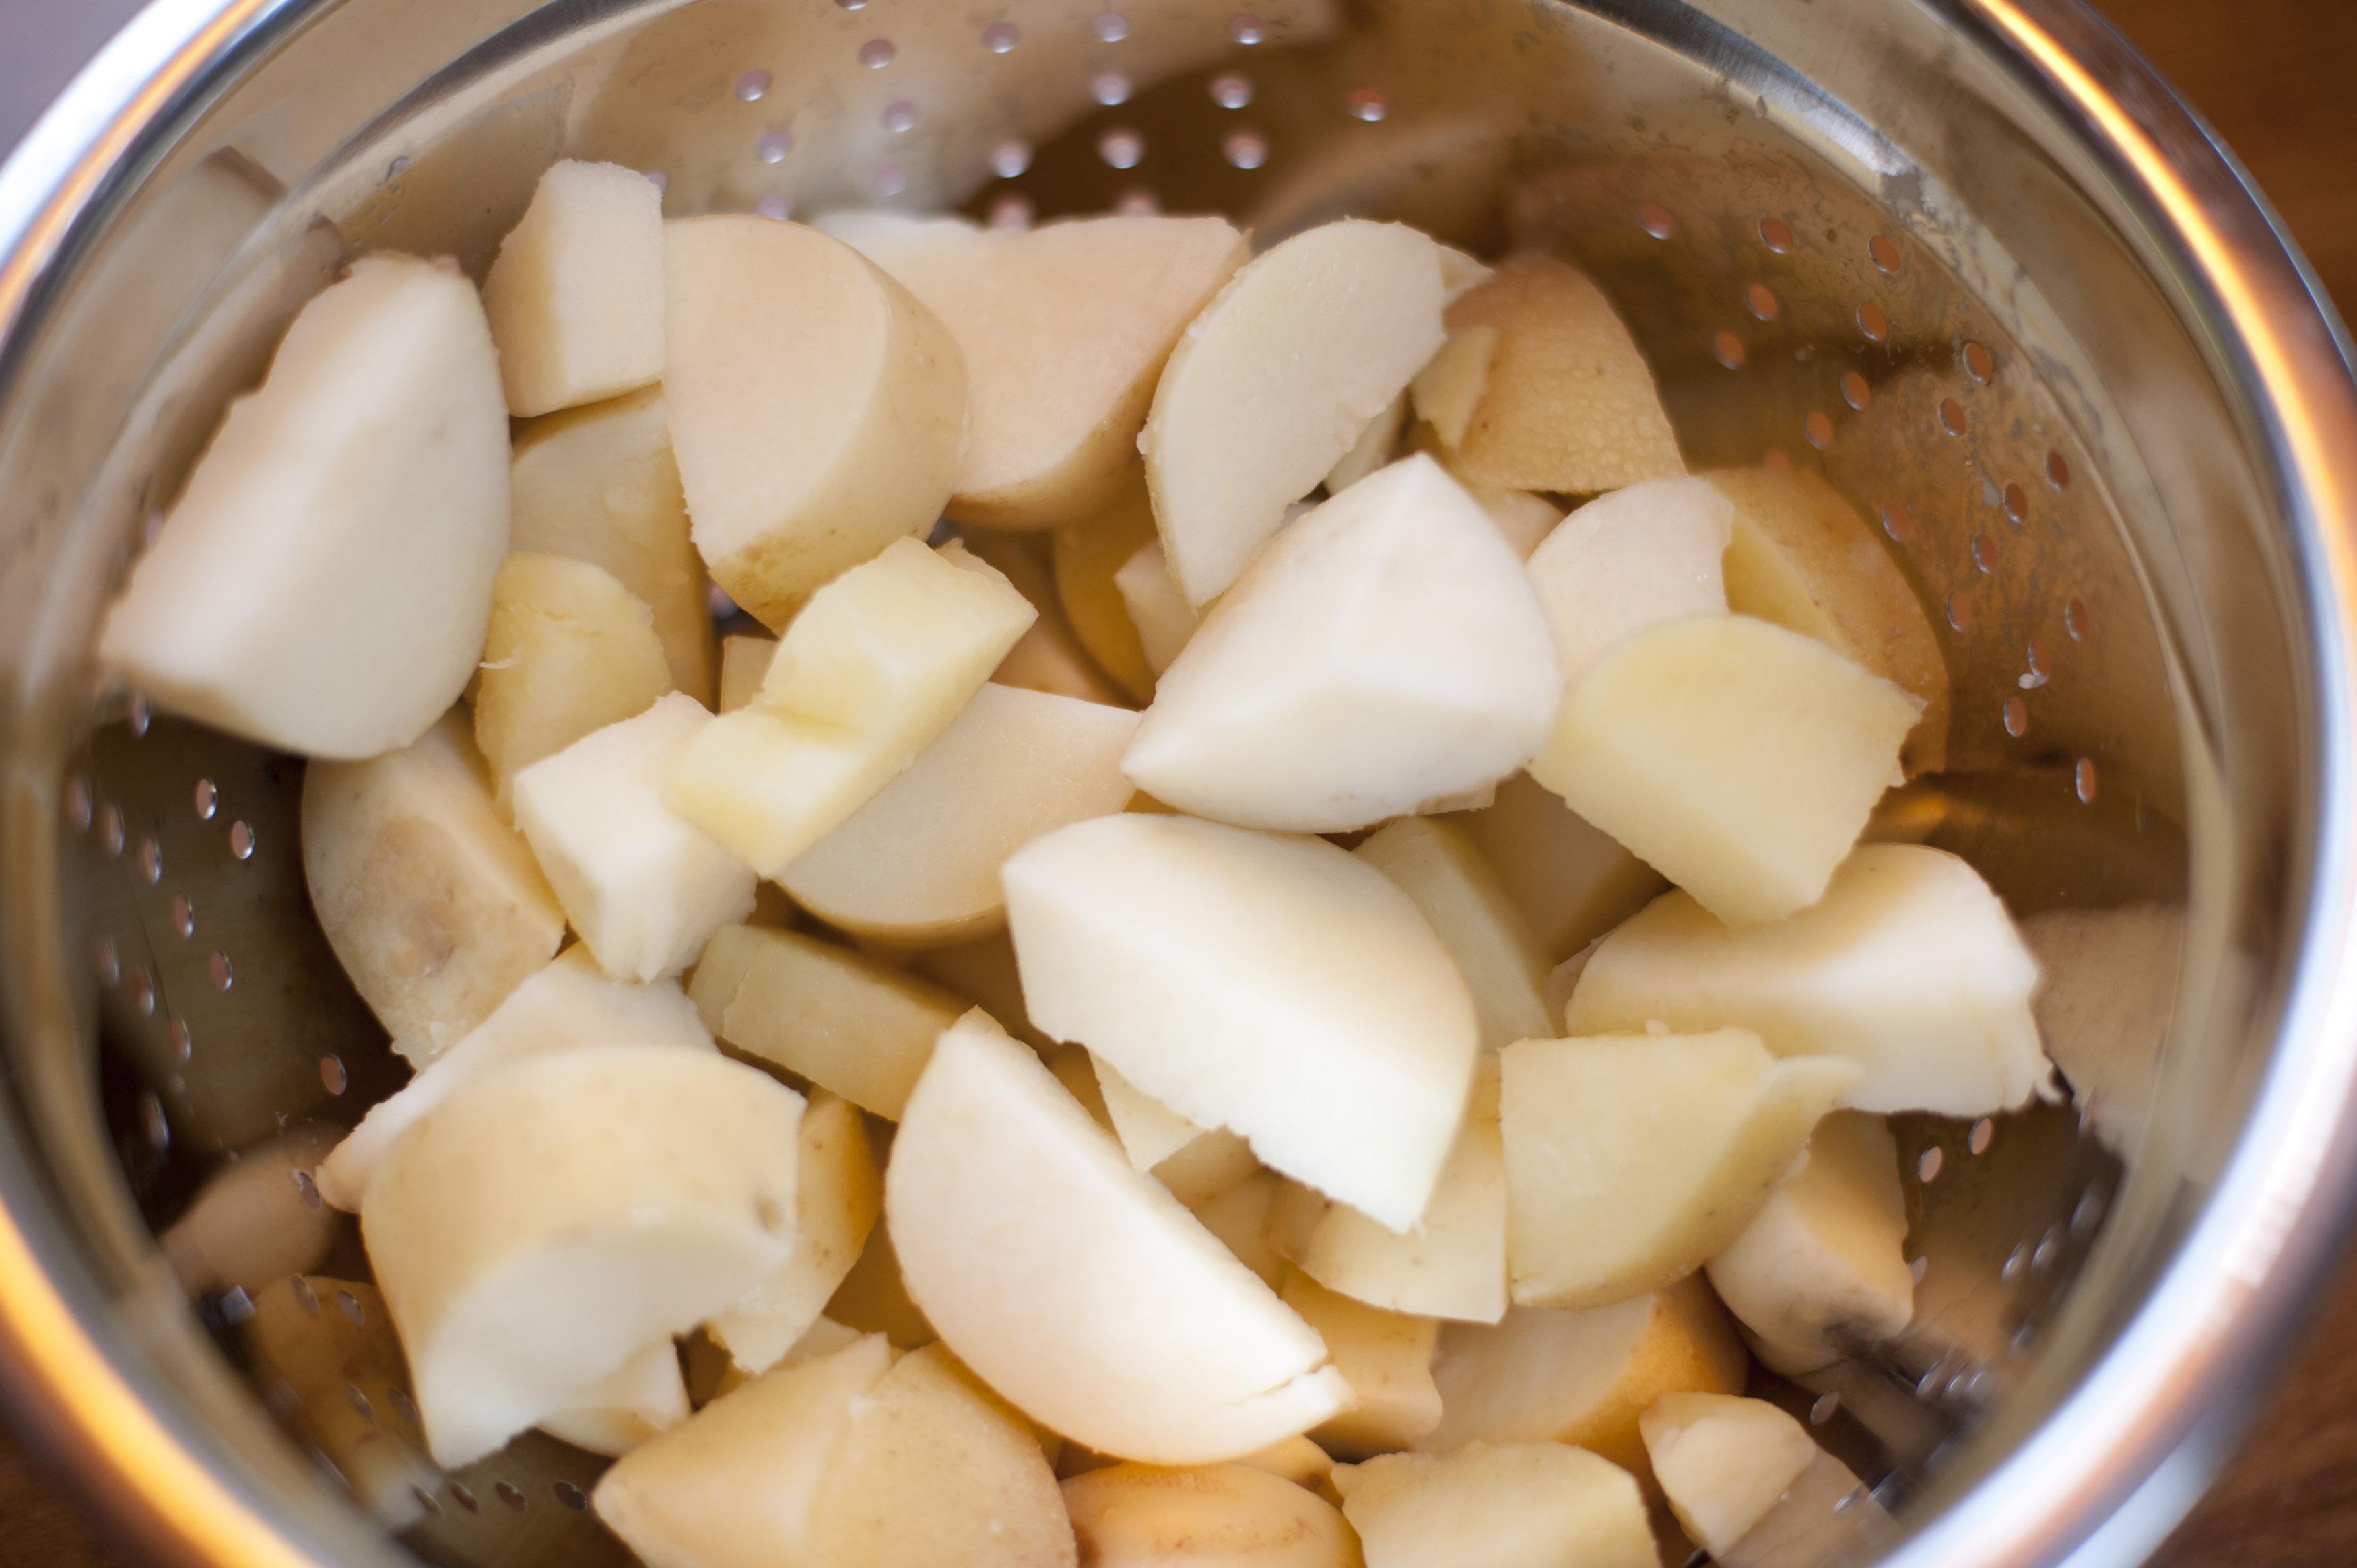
{"x":1582,"y":1376}
{"x":1212,"y":1516}
{"x":570,"y":650}
{"x":1164,"y":619}
{"x":1297,"y":1460}
{"x":1239,"y":1218}
{"x":643,"y":1396}
{"x":1374,"y":449}
{"x":1524,"y":519}
{"x":1570,"y":881}
{"x":1803,"y":557}
{"x":744,"y":665}
{"x":1088,"y":555}
{"x":1631,"y":1160}
{"x":983,"y":971}
{"x":1450,"y":387}
{"x":435,"y":907}
{"x":1515,"y":1505}
{"x":844,"y":1022}
{"x":1568,"y":404}
{"x":1723,"y":1462}
{"x":835,"y":1203}
{"x":1195,"y":1162}
{"x":1648,"y":553}
{"x":874,"y":1298}
{"x":600,"y":484}
{"x":576,"y":296}
{"x":1049,"y":657}
{"x":1386,"y":1356}
{"x":1434,"y":863}
{"x":871,"y":673}
{"x":817,"y":409}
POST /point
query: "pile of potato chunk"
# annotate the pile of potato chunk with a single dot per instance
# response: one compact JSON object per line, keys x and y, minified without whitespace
{"x":1261,"y":992}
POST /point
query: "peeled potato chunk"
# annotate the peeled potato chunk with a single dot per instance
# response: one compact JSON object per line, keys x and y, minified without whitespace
{"x":1739,"y":759}
{"x":918,"y":863}
{"x":1088,"y":555}
{"x":1239,"y":1218}
{"x":1823,"y":1268}
{"x":1630,"y":560}
{"x":323,"y":582}
{"x":1513,"y":1505}
{"x":1194,"y":1163}
{"x":1568,"y":404}
{"x":1909,"y":966}
{"x":1386,"y":650}
{"x":1386,"y":1356}
{"x":1212,"y":1516}
{"x":643,"y":1396}
{"x":434,"y":906}
{"x":1723,"y":1462}
{"x":1050,"y":657}
{"x":1632,"y":1159}
{"x":1581,"y":1375}
{"x":1570,"y":883}
{"x":1275,"y":380}
{"x":1523,"y":519}
{"x":643,"y":887}
{"x":1375,"y":448}
{"x":1076,"y":1286}
{"x":818,"y":410}
{"x":511,"y":1230}
{"x":570,"y":1003}
{"x":870,"y":673}
{"x":842,"y":1021}
{"x":1434,"y":863}
{"x":570,"y":650}
{"x":1450,"y":387}
{"x":1165,"y":621}
{"x":1276,"y":987}
{"x":837,"y":1199}
{"x":1064,"y":329}
{"x":744,"y":665}
{"x":576,"y":296}
{"x":600,"y":484}
{"x":1803,"y":557}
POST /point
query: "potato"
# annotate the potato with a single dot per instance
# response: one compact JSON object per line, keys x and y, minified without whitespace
{"x":248,"y":1225}
{"x":837,"y":1195}
{"x":1239,"y":1218}
{"x":643,"y":886}
{"x":511,"y":1230}
{"x":1297,"y":1460}
{"x":1568,"y":404}
{"x":434,"y":906}
{"x":576,"y":296}
{"x":1075,"y":1286}
{"x":1386,"y":650}
{"x":1064,"y":329}
{"x":1436,"y":863}
{"x":1739,"y":759}
{"x":744,"y":664}
{"x":1525,"y":519}
{"x":323,"y":582}
{"x":1049,"y":657}
{"x":1514,"y":1505}
{"x":1803,"y":558}
{"x":842,"y":1021}
{"x":600,"y":484}
{"x":570,"y":1003}
{"x":570,"y":650}
{"x":1570,"y":882}
{"x":818,"y":410}
{"x":1450,"y":387}
{"x":1166,"y":622}
{"x":874,"y":1298}
{"x":1632,"y":1159}
{"x":1723,"y":1462}
{"x":1275,"y":987}
{"x":1823,"y":1268}
{"x":1275,"y":380}
{"x":918,"y":863}
{"x":1386,"y":1356}
{"x":1908,"y":966}
{"x":1374,"y":449}
{"x":1212,"y":1516}
{"x":870,"y":673}
{"x":1581,"y":1376}
{"x":1196,"y":1164}
{"x":984,"y":972}
{"x":1630,"y":560}
{"x":1088,"y":557}
{"x":643,"y":1396}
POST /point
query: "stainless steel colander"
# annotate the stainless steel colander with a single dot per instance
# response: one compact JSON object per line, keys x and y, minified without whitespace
{"x":1967,"y":258}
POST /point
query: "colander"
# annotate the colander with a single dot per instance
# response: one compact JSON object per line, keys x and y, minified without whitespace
{"x":1966,"y":258}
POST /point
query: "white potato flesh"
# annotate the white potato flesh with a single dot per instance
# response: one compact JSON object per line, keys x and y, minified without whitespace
{"x":323,"y":582}
{"x":1210,"y":1516}
{"x":1239,"y":1218}
{"x":570,"y":650}
{"x":876,"y":667}
{"x":1630,"y":560}
{"x":1737,"y":758}
{"x":1076,"y":1286}
{"x":1524,"y":518}
{"x":1064,"y":329}
{"x":643,"y":1396}
{"x":1050,"y":657}
{"x":644,"y":886}
{"x":1275,"y":380}
{"x":600,"y":484}
{"x":1434,"y":863}
{"x":250,"y":1224}
{"x":817,"y":409}
{"x":1273,"y":986}
{"x":1374,"y":448}
{"x":1724,"y":1461}
{"x":1633,"y":1159}
{"x":1513,"y":1505}
{"x":1909,"y":966}
{"x":1088,"y":557}
{"x":837,"y":1195}
{"x":1571,"y":881}
{"x":1385,"y":652}
{"x":1149,"y":1131}
{"x":569,"y":1003}
{"x":1386,"y":1356}
{"x":1165,"y":621}
{"x":744,"y":665}
{"x":511,"y":1230}
{"x":918,"y":863}
{"x":575,"y":296}
{"x":874,"y":1298}
{"x":738,"y":1484}
{"x":1450,"y":387}
{"x":1823,"y":1268}
{"x":435,"y":907}
{"x":845,"y":1021}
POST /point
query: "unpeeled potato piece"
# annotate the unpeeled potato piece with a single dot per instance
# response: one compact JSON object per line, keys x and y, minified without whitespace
{"x":1212,"y":1516}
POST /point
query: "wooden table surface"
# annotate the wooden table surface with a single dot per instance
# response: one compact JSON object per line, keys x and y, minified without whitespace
{"x":2274,"y":77}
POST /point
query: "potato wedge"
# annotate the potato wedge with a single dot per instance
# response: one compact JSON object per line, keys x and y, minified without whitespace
{"x":1515,"y":1505}
{"x":1723,"y":1462}
{"x":1386,"y":1356}
{"x":1570,"y":881}
{"x":1630,"y":560}
{"x":1088,"y":557}
{"x":645,"y":1395}
{"x":1210,"y":1515}
{"x":575,"y":296}
{"x":570,"y":650}
{"x":837,"y":1195}
{"x":1434,"y":863}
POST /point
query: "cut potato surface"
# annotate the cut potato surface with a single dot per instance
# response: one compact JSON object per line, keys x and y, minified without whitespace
{"x":1210,"y":1515}
{"x":1164,"y":620}
{"x":1724,"y":1462}
{"x":1050,"y":657}
{"x":817,"y":409}
{"x":1273,"y":986}
{"x":1525,"y":519}
{"x":1088,"y":557}
{"x":1640,"y":556}
{"x":984,"y":972}
{"x":837,"y":1195}
{"x":1571,"y":882}
{"x":435,"y":907}
{"x":576,"y":296}
{"x":1275,"y":380}
{"x":250,"y":1222}
{"x":1434,"y":863}
{"x":1450,"y":387}
{"x":874,"y":1298}
{"x":1074,"y":1285}
{"x":744,"y":665}
{"x":1195,"y":1163}
{"x":1909,"y":966}
{"x":323,"y":583}
{"x":1517,"y":1505}
{"x":1375,"y":448}
{"x":1385,"y":652}
{"x":1386,"y":1356}
{"x":1239,"y":1218}
{"x":643,"y":1396}
{"x":570,"y":650}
